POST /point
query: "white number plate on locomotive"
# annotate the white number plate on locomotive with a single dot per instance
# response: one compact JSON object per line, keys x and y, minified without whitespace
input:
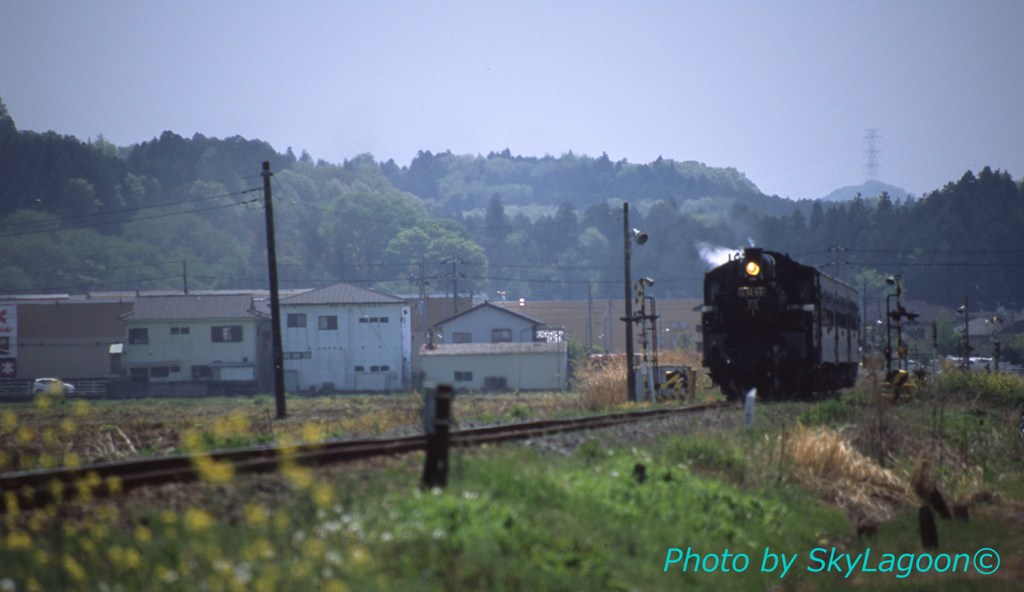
{"x":752,"y":291}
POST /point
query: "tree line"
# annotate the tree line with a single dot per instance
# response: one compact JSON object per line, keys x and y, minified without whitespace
{"x":80,"y":216}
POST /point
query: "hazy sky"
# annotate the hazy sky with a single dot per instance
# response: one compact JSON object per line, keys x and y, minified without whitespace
{"x":781,"y":90}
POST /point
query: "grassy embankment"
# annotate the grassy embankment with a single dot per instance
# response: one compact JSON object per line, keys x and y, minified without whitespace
{"x":806,"y":477}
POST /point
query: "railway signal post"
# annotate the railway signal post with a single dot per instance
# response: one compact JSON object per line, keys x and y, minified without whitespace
{"x":629,"y":234}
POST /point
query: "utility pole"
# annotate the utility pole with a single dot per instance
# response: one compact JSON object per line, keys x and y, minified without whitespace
{"x":628,"y":303}
{"x":590,"y":318}
{"x":184,"y":275}
{"x":454,"y":276}
{"x":967,"y":336}
{"x":422,"y":282}
{"x":275,"y":302}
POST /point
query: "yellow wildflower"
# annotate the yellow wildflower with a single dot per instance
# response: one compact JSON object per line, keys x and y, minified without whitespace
{"x":72,"y":460}
{"x":255,"y":514}
{"x":18,"y":540}
{"x":312,"y":432}
{"x":143,"y":534}
{"x":300,"y":477}
{"x":192,"y":440}
{"x":132,"y":558}
{"x":360,"y":556}
{"x":168,"y":517}
{"x":323,"y":495}
{"x":73,"y":568}
{"x":197,"y":520}
{"x":26,"y":435}
{"x":41,"y":558}
{"x":214,"y":471}
{"x":259,"y":550}
{"x":313,"y":547}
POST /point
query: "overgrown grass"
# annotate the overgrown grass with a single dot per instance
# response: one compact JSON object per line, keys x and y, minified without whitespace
{"x":962,"y":425}
{"x":514,"y":519}
{"x":991,"y":389}
{"x":511,"y":520}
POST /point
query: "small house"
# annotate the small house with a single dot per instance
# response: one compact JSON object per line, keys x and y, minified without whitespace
{"x":489,"y":348}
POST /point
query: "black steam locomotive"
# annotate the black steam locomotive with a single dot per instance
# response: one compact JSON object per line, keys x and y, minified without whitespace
{"x":781,"y":327}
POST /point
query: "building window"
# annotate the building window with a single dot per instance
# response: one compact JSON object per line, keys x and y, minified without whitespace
{"x":180,"y":331}
{"x":463,"y":376}
{"x":138,"y":336}
{"x":329,"y":323}
{"x":159,"y":372}
{"x":373,"y":319}
{"x":462,"y":337}
{"x":226,"y":334}
{"x":202,"y":373}
{"x":501,"y":336}
{"x":297,"y":320}
{"x":298,"y":355}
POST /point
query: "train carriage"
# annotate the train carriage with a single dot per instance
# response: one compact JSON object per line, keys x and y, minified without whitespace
{"x":779,"y":326}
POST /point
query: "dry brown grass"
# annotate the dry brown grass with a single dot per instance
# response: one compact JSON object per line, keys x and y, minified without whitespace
{"x":602,"y":385}
{"x":601,"y":382}
{"x":826,"y":462}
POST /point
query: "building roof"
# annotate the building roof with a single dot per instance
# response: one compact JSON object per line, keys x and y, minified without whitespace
{"x":342,"y":294}
{"x":485,"y":305}
{"x":1012,"y":329}
{"x":462,"y":349}
{"x":193,"y":307}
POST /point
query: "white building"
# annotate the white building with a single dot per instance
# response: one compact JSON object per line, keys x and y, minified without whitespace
{"x":491,"y":348}
{"x":191,"y":338}
{"x":538,"y":366}
{"x":487,"y":323}
{"x":346,"y":338}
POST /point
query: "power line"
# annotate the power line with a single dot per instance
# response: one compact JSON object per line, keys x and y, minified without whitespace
{"x":111,"y":223}
{"x":124,"y":210}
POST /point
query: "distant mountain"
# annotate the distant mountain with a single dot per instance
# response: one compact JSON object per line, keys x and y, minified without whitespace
{"x":867,"y":189}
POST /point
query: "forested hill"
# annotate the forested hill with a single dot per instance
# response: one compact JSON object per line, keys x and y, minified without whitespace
{"x":174,"y":212}
{"x":465,"y":183}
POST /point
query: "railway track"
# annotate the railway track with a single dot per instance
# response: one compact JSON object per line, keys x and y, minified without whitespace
{"x":34,"y":489}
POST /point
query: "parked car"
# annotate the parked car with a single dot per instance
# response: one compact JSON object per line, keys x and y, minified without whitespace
{"x":53,"y":386}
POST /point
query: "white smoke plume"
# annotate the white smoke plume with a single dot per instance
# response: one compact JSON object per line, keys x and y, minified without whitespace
{"x":714,"y":256}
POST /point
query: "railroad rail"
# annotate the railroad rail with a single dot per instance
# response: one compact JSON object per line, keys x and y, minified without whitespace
{"x":34,"y":489}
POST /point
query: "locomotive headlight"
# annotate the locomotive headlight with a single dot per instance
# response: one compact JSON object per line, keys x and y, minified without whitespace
{"x":753,"y":269}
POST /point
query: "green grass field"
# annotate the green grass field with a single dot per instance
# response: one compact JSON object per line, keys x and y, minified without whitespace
{"x":737,"y":509}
